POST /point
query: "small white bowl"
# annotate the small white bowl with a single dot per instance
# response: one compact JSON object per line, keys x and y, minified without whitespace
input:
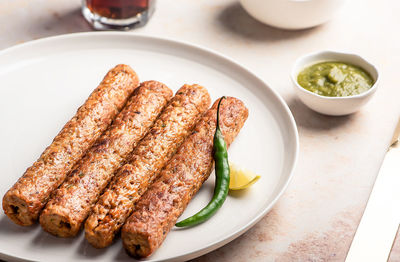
{"x":335,"y":106}
{"x":292,"y":14}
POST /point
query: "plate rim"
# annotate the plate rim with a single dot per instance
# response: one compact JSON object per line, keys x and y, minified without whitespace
{"x":236,"y":233}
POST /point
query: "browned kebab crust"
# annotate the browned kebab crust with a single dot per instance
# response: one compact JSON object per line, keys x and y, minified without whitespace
{"x":159,"y":208}
{"x":23,"y":202}
{"x":171,"y":128}
{"x":71,"y":203}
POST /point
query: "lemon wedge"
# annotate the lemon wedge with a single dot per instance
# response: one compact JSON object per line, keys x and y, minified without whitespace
{"x":241,"y":178}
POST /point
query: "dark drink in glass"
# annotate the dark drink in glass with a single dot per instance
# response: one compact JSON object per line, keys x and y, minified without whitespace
{"x":117,"y":14}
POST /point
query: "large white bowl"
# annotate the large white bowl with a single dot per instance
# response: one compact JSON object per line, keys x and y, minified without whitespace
{"x":335,"y":106}
{"x":44,"y":81}
{"x":292,"y":14}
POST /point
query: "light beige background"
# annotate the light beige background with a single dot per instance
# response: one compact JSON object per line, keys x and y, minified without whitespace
{"x":316,"y":218}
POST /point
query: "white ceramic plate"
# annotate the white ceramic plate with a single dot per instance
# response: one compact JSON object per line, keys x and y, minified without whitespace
{"x":43,"y":83}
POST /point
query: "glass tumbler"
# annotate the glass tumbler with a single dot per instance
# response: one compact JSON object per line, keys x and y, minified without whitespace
{"x":117,"y":14}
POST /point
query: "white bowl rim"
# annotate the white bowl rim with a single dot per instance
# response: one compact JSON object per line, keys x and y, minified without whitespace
{"x":293,"y":75}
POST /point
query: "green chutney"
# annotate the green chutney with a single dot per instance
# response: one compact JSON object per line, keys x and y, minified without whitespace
{"x":335,"y":79}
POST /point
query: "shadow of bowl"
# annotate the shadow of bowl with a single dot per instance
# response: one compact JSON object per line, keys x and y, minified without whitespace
{"x":237,"y":21}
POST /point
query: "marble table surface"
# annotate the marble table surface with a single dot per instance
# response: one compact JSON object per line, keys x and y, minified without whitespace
{"x":316,"y":218}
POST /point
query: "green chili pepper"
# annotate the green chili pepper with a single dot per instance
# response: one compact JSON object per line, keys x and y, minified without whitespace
{"x":222,"y":177}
